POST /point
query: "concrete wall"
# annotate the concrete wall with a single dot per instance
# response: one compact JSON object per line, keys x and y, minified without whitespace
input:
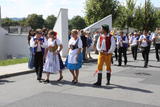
{"x":16,"y":46}
{"x":2,"y":34}
{"x":13,"y":45}
{"x":61,"y":27}
{"x":107,"y":20}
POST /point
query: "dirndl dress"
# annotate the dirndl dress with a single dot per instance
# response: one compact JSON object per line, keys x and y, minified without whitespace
{"x":52,"y":64}
{"x":73,"y":63}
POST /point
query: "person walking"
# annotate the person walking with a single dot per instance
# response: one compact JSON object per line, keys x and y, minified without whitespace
{"x":38,"y":44}
{"x":52,"y":62}
{"x":156,"y":40}
{"x":145,"y":42}
{"x":134,"y":44}
{"x":122,"y":48}
{"x":75,"y":57}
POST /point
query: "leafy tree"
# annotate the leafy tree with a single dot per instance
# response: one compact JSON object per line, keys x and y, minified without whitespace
{"x":77,"y":22}
{"x":6,"y":22}
{"x":50,"y":21}
{"x":95,"y":10}
{"x":35,"y":21}
{"x":23,"y":22}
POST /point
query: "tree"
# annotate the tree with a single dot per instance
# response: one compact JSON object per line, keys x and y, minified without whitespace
{"x":50,"y":21}
{"x":130,"y":11}
{"x":77,"y":22}
{"x":126,"y":15}
{"x":23,"y":22}
{"x":35,"y":21}
{"x":95,"y":10}
{"x":146,"y":17}
{"x":6,"y":22}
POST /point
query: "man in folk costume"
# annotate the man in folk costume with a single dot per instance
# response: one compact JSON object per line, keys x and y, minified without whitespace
{"x":122,"y":42}
{"x":156,"y":40}
{"x":38,"y":44}
{"x":105,"y":46}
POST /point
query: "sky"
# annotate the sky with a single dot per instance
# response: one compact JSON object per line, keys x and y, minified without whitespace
{"x":21,"y":8}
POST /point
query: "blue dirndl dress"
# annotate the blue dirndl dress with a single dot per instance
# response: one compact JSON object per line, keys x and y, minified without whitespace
{"x":76,"y":66}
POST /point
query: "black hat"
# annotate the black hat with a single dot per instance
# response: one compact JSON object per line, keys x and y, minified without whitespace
{"x":105,"y":27}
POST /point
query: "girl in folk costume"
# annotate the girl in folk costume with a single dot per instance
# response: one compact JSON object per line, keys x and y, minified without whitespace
{"x":38,"y":44}
{"x":52,"y":63}
{"x":105,"y":46}
{"x":75,"y":57}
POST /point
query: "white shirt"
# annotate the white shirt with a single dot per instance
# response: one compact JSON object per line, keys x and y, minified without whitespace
{"x":143,"y":42}
{"x":52,"y":42}
{"x":133,"y":40}
{"x":120,"y":41}
{"x":72,"y":55}
{"x":103,"y":46}
{"x":39,"y":46}
{"x":157,"y":38}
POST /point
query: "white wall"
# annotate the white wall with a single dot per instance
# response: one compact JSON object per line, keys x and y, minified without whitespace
{"x":107,"y":20}
{"x":61,"y":27}
{"x":16,"y":45}
{"x":2,"y":34}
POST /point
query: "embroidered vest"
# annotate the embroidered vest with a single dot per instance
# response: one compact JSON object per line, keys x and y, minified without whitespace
{"x":35,"y":49}
{"x":125,"y":45}
{"x":108,"y":41}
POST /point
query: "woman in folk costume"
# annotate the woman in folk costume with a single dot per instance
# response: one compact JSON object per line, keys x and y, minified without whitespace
{"x":31,"y":57}
{"x":105,"y":46}
{"x":52,"y":64}
{"x":75,"y":57}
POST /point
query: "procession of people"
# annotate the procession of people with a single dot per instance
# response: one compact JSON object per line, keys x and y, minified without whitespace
{"x":45,"y":47}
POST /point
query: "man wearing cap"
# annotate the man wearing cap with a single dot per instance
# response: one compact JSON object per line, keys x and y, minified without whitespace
{"x":105,"y":46}
{"x":133,"y":41}
{"x":38,"y":44}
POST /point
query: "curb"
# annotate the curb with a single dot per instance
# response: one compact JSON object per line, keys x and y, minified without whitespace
{"x":16,"y":74}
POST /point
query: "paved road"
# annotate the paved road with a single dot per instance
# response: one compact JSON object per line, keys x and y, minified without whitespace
{"x":132,"y":86}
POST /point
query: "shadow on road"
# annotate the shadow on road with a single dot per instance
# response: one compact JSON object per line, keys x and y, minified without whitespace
{"x":112,"y":86}
{"x":2,"y":82}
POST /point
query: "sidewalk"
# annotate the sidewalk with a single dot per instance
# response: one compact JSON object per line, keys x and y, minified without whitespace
{"x":13,"y":70}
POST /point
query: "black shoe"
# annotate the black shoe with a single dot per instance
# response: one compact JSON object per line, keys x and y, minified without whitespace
{"x":145,"y":66}
{"x":108,"y":83}
{"x":60,"y":78}
{"x":46,"y":81}
{"x":40,"y":81}
{"x":99,"y":80}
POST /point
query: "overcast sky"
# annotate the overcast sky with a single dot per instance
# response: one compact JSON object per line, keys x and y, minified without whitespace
{"x":21,"y":8}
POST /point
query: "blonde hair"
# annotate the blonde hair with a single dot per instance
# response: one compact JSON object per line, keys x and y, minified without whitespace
{"x":74,"y":31}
